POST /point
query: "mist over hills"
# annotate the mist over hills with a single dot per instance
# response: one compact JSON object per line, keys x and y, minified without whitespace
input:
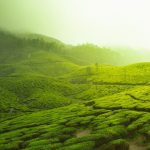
{"x":85,"y":54}
{"x":62,"y":74}
{"x":55,"y":96}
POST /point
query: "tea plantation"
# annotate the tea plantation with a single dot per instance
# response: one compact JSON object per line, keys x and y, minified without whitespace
{"x":107,"y":123}
{"x":53,"y":99}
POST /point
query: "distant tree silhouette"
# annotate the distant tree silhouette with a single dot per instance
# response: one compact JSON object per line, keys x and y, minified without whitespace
{"x":88,"y":71}
{"x":96,"y":68}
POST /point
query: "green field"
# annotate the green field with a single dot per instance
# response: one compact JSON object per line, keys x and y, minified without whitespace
{"x":55,"y":96}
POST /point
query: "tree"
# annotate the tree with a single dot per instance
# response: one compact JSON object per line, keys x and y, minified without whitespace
{"x":96,"y":68}
{"x":88,"y":70}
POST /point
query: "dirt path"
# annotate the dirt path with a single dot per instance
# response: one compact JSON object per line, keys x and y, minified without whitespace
{"x":134,"y":146}
{"x":83,"y":133}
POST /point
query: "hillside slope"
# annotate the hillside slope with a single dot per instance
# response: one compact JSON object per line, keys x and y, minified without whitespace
{"x":32,"y":70}
{"x":28,"y":67}
{"x":38,"y":72}
{"x":108,"y":74}
{"x":104,"y":124}
{"x":55,"y":96}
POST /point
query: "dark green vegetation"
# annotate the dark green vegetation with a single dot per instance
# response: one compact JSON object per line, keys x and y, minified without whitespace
{"x":56,"y":96}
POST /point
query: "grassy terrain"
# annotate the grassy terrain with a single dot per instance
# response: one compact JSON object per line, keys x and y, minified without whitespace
{"x":112,"y":121}
{"x":32,"y":72}
{"x":98,"y":74}
{"x":55,"y":96}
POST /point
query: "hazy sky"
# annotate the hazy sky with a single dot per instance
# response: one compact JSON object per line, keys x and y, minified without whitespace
{"x":104,"y":22}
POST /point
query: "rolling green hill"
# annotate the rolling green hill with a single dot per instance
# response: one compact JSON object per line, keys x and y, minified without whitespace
{"x":55,"y":96}
{"x":32,"y":69}
{"x":107,"y":123}
{"x":27,"y":71}
{"x":99,"y":74}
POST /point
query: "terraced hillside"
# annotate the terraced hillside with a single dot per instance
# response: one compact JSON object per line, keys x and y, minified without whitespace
{"x":106,"y":123}
{"x":32,"y":74}
{"x":52,"y":99}
{"x":134,"y":74}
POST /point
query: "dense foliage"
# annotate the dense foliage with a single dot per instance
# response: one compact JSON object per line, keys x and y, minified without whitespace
{"x":60,"y":97}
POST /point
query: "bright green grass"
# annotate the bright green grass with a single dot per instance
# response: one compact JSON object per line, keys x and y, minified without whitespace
{"x":33,"y":73}
{"x":47,"y":98}
{"x":111,"y":121}
{"x":137,"y":99}
{"x":33,"y":92}
{"x":100,"y":74}
{"x":26,"y":93}
{"x":56,"y":129}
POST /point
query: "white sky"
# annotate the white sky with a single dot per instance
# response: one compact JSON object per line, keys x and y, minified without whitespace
{"x":107,"y":22}
{"x":103,"y":22}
